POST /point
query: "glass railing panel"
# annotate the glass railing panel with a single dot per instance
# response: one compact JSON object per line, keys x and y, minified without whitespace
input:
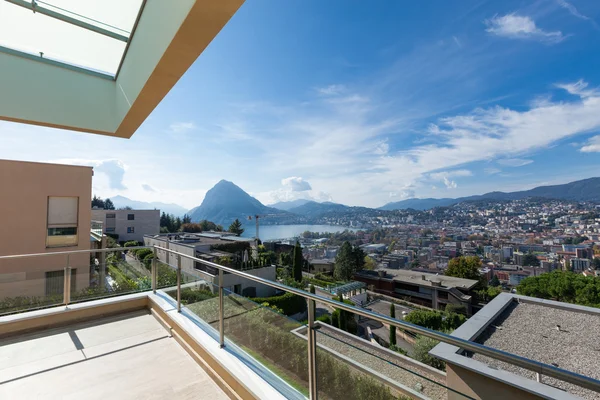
{"x":31,"y":288}
{"x":373,"y":371}
{"x":109,"y":274}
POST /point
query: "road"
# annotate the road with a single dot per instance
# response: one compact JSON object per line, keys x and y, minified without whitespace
{"x":383,"y":331}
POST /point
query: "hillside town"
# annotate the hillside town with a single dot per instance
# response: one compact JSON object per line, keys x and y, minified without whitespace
{"x":514,"y":239}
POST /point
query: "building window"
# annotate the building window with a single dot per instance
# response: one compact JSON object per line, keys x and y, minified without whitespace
{"x":130,"y":229}
{"x":130,"y":217}
{"x":110,"y":230}
{"x":111,"y":216}
{"x":55,"y":282}
{"x":62,"y":221}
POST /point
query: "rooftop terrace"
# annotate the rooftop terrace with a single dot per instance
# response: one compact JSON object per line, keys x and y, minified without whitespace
{"x":530,"y":330}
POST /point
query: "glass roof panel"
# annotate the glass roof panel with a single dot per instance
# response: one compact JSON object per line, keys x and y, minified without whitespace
{"x":23,"y":30}
{"x":114,"y":15}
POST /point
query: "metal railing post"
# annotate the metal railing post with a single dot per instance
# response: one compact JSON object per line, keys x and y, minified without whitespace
{"x":178,"y":283}
{"x":67,"y":283}
{"x":312,"y":351}
{"x":154,"y":272}
{"x":221,"y":311}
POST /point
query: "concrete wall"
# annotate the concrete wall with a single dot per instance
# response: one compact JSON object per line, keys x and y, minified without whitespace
{"x":145,"y":222}
{"x":481,"y":387}
{"x":24,"y":191}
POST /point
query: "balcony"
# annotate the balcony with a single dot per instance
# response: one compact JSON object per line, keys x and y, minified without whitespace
{"x":96,"y":228}
{"x":152,"y":330}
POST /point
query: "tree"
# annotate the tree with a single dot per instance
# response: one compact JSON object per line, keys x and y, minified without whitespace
{"x":464,"y":267}
{"x":236,"y":227}
{"x":108,"y":204}
{"x":186,"y":219}
{"x":530,"y":260}
{"x":596,"y":263}
{"x":392,"y":328}
{"x":344,"y":261}
{"x":97,"y":202}
{"x":348,"y":260}
{"x":495,"y":282}
{"x":563,"y":286}
{"x":423,"y":346}
{"x":297,"y":263}
{"x":369,"y":263}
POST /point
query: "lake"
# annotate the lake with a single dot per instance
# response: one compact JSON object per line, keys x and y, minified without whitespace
{"x":270,"y":232}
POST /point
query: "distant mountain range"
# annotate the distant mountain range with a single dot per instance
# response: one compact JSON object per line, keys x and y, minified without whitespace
{"x":169,"y":208}
{"x":583,"y":190}
{"x":225,"y":202}
{"x":288,"y":205}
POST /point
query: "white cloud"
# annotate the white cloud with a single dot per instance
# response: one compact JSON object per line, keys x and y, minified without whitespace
{"x":573,"y":11}
{"x":181,"y":127}
{"x":148,"y":188}
{"x":450,"y":174}
{"x":331,"y":90}
{"x":514,"y":162}
{"x":112,"y":169}
{"x":579,"y":88}
{"x":458,"y":43}
{"x":492,"y":171}
{"x":445,"y":176}
{"x":592,"y":146}
{"x":521,"y":27}
{"x":296,"y":184}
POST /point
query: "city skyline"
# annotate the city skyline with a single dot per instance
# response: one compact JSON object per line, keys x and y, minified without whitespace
{"x":362,"y":106}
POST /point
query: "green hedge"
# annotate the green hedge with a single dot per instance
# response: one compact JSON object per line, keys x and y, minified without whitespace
{"x":189,"y":296}
{"x":290,"y":303}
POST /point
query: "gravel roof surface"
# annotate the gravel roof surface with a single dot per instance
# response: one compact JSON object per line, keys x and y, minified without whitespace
{"x":362,"y":355}
{"x":529,"y":330}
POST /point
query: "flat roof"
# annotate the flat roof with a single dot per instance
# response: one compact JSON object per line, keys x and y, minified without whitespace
{"x":530,"y":330}
{"x":193,"y":239}
{"x":416,"y":278}
{"x":527,"y":326}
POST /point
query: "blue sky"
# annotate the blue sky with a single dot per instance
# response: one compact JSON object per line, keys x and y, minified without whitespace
{"x":363,"y":103}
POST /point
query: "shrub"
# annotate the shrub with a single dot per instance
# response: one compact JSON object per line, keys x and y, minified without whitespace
{"x":423,"y":345}
{"x":147,"y":260}
{"x":189,"y":295}
{"x":326,"y":318}
{"x":131,"y":243}
{"x":142,"y":253}
{"x":289,"y":303}
{"x":436,"y":320}
{"x":456,"y":308}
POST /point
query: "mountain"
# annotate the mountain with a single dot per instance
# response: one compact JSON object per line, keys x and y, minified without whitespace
{"x":287,"y":205}
{"x":225,"y":202}
{"x":583,"y":190}
{"x":169,"y":208}
{"x":312,"y":208}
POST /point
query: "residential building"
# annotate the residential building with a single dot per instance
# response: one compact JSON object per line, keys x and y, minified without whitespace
{"x":322,"y":266}
{"x":46,"y":210}
{"x":202,"y":245}
{"x":431,"y":290}
{"x":128,"y":224}
{"x":580,"y":264}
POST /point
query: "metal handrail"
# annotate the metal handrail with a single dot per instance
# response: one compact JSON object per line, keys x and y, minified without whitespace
{"x":58,"y":253}
{"x":536,"y":366}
